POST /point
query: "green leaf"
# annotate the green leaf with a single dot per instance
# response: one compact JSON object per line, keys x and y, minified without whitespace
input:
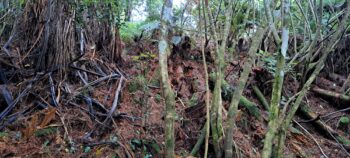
{"x":295,"y":131}
{"x":136,"y":142}
{"x":45,"y":131}
{"x":46,"y":143}
{"x":344,"y":120}
{"x":148,"y":155}
{"x":3,"y":134}
{"x":343,"y":140}
{"x":87,"y":149}
{"x":155,"y":146}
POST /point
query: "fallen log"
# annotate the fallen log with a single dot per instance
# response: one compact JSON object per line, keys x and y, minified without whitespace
{"x":313,"y":118}
{"x":227,"y":92}
{"x":324,"y":129}
{"x":261,"y":97}
{"x":332,"y":95}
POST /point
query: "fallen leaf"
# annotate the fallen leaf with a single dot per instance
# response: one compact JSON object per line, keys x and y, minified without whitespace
{"x":31,"y":128}
{"x":49,"y":115}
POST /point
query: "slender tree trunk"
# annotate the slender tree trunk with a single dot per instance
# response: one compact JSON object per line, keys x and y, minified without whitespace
{"x":238,"y":92}
{"x":279,"y":77}
{"x":168,"y":93}
{"x":207,"y":93}
{"x":285,"y":122}
{"x":216,"y":109}
{"x":128,"y":10}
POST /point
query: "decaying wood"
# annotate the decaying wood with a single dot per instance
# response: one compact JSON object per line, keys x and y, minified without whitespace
{"x":8,"y":109}
{"x":321,"y":126}
{"x":261,"y":97}
{"x":333,"y":95}
{"x":346,"y":85}
{"x":6,"y":94}
{"x":116,"y":99}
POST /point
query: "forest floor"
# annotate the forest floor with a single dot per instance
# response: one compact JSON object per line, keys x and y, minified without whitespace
{"x":139,"y":129}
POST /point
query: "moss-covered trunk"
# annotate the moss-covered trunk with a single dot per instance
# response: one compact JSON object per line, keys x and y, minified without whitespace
{"x":166,"y":87}
{"x":279,"y":77}
{"x":216,"y":108}
{"x":247,"y":68}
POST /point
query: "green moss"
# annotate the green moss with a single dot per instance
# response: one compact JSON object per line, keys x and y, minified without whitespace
{"x":129,"y":30}
{"x":3,"y":134}
{"x":155,"y":81}
{"x":138,"y":83}
{"x":193,"y":101}
{"x":158,"y":98}
{"x":343,"y":140}
{"x":251,"y":107}
{"x":45,"y":131}
{"x":344,"y":120}
{"x":343,"y":123}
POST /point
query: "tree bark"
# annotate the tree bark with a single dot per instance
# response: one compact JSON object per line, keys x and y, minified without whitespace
{"x":168,"y":93}
{"x":286,"y":118}
{"x":128,"y":10}
{"x":238,"y":92}
{"x":279,"y":76}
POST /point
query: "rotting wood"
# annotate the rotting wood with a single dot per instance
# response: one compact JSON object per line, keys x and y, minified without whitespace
{"x":321,"y":126}
{"x":334,"y":95}
{"x":8,"y":109}
{"x":116,"y":99}
{"x":261,"y":97}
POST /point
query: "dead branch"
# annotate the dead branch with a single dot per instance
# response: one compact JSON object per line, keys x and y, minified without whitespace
{"x":116,"y":97}
{"x":112,"y":76}
{"x":313,"y":138}
{"x":8,"y":109}
{"x":323,"y":129}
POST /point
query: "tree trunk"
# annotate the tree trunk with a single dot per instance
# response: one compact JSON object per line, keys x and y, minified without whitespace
{"x":168,"y":93}
{"x":216,"y":109}
{"x":128,"y":10}
{"x":48,"y":41}
{"x":279,"y":76}
{"x":286,"y":118}
{"x":238,"y":92}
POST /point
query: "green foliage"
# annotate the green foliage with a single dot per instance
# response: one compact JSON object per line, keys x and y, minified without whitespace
{"x":45,"y":131}
{"x":137,"y":84}
{"x":153,"y":8}
{"x":343,"y":123}
{"x":46,"y":143}
{"x":87,"y":149}
{"x":105,"y":10}
{"x":343,"y":140}
{"x":269,"y":60}
{"x":295,"y":130}
{"x":158,"y":98}
{"x":344,"y":120}
{"x":144,"y":56}
{"x":3,"y":134}
{"x":331,"y":2}
{"x":146,"y":146}
{"x":193,"y":101}
{"x":129,"y":30}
